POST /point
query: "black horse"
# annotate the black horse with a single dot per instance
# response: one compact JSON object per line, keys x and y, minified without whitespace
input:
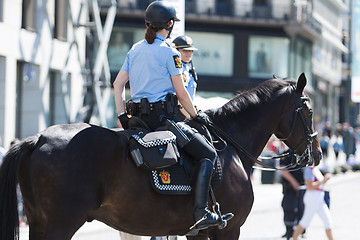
{"x":70,"y":174}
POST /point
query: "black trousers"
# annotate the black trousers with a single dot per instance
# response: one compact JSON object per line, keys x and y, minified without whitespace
{"x":293,"y":207}
{"x":198,"y":146}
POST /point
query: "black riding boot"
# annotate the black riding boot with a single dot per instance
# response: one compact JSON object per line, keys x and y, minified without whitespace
{"x":203,"y":217}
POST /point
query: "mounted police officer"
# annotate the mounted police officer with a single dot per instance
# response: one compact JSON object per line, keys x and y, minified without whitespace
{"x":153,"y":68}
{"x":184,"y":45}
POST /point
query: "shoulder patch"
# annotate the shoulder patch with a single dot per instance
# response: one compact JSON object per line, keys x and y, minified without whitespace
{"x":184,"y":77}
{"x":177,"y":61}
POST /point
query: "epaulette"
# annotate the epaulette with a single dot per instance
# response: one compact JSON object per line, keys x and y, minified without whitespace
{"x":169,"y":43}
{"x":139,"y":41}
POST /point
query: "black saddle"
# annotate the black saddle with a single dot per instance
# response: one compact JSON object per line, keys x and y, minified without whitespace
{"x":168,"y":175}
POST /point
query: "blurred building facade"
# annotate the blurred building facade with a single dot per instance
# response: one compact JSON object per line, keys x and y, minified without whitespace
{"x":241,"y":44}
{"x":41,"y":58}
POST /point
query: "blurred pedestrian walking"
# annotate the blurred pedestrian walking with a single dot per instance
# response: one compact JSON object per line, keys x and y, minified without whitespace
{"x":293,"y":190}
{"x":324,"y":144}
{"x":314,"y":202}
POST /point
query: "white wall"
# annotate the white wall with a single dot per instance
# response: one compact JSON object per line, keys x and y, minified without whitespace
{"x":40,"y":49}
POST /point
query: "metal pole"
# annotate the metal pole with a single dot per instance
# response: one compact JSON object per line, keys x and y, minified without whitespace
{"x":347,"y":98}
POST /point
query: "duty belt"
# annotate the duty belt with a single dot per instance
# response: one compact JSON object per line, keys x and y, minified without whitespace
{"x":145,"y":108}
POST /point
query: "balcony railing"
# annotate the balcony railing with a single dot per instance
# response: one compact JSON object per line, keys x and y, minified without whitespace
{"x":237,"y":10}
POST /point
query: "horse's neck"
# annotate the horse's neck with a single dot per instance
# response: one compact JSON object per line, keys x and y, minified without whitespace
{"x":252,"y":130}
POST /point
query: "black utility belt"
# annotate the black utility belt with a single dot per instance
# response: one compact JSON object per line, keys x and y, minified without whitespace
{"x":145,"y":107}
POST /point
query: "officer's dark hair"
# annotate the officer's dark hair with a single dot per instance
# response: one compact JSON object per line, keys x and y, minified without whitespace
{"x":151,"y":31}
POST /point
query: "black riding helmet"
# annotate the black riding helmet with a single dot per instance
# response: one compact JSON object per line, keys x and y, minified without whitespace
{"x":184,"y":42}
{"x":159,"y":13}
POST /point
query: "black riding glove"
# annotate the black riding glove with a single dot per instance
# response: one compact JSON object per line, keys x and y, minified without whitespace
{"x":124,"y":120}
{"x":202,"y":118}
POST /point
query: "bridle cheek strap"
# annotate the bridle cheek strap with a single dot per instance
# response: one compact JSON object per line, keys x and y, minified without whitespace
{"x":308,"y":132}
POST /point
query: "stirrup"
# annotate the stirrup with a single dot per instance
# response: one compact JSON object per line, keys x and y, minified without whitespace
{"x":198,"y":226}
{"x":223,"y":218}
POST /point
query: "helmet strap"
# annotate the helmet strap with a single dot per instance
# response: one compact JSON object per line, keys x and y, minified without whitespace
{"x":170,"y":28}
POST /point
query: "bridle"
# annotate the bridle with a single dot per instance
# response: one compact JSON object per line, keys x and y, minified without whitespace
{"x":309,"y":134}
{"x":309,"y":137}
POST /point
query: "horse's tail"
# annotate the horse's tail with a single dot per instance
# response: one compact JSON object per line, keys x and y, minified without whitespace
{"x":9,"y":217}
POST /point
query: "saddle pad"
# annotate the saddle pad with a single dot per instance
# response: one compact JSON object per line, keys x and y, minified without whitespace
{"x":176,"y":179}
{"x":171,"y":180}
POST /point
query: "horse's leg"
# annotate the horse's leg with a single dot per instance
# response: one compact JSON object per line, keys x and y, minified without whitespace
{"x":36,"y":227}
{"x":198,"y":237}
{"x":228,"y":234}
{"x":54,"y":225}
{"x":62,"y":229}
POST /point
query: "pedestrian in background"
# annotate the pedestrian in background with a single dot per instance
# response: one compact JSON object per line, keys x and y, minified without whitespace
{"x":337,"y":145}
{"x":293,"y":192}
{"x":349,"y":141}
{"x":314,"y":202}
{"x":324,"y":144}
{"x":327,"y":129}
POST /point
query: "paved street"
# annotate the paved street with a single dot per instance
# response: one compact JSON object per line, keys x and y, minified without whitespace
{"x":265,"y":220}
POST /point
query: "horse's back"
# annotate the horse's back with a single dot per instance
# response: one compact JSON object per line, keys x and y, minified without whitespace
{"x":70,"y":163}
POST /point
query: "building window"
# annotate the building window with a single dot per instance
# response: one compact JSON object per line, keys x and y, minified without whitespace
{"x":1,"y":10}
{"x":28,"y":100}
{"x":224,"y":7}
{"x":207,"y":57}
{"x":61,"y":17}
{"x":28,"y":15}
{"x":268,"y":55}
{"x":119,"y":45}
{"x":57,"y":109}
{"x":260,"y":2}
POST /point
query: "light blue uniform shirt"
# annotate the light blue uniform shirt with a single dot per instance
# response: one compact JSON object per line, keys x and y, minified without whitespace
{"x":189,"y":80}
{"x":150,"y":67}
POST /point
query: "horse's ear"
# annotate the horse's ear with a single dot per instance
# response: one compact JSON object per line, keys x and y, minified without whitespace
{"x":301,"y":83}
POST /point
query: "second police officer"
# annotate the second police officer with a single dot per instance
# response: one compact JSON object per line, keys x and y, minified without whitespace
{"x":153,"y":68}
{"x":184,"y":45}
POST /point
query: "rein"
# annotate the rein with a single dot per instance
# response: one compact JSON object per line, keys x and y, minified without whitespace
{"x":224,"y":137}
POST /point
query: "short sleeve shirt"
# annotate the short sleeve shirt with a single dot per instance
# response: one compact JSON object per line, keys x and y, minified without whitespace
{"x":308,"y":174}
{"x":189,"y":81}
{"x":150,"y":67}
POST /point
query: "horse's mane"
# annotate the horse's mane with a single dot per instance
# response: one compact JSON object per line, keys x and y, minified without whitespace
{"x":261,"y":93}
